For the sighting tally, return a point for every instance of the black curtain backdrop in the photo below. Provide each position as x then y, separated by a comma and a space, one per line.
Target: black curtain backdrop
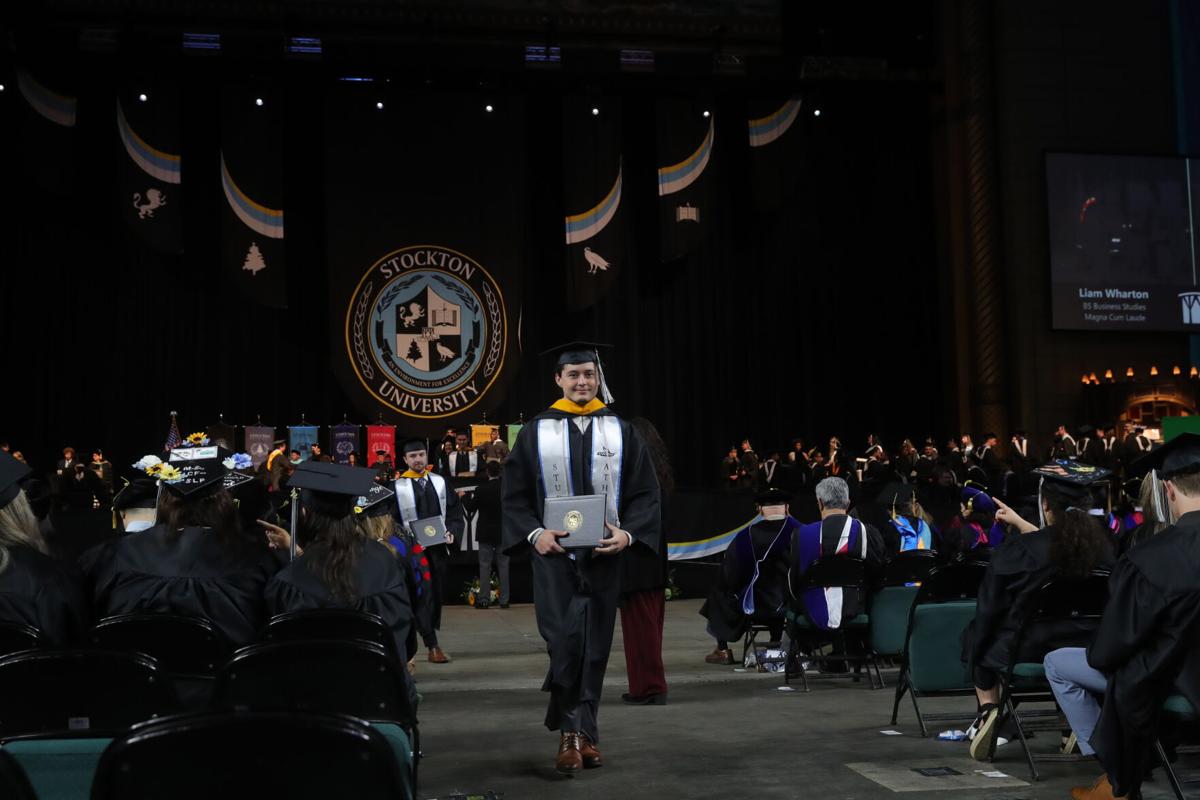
818, 318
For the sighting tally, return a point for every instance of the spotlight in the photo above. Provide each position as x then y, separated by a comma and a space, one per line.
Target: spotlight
488, 108
258, 101
1195, 373
1154, 372
595, 112
706, 115
379, 105
1085, 379
1, 87
143, 97
1129, 372
1108, 376
816, 112
1176, 371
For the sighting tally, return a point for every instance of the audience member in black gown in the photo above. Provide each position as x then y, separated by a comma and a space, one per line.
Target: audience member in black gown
195, 561
35, 589
1072, 543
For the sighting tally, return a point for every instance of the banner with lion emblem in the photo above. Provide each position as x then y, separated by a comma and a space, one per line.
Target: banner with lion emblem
425, 235
150, 176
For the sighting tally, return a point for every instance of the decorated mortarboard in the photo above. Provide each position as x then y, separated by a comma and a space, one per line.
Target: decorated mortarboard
580, 352
12, 472
331, 489
1179, 456
976, 499
1072, 473
772, 497
375, 503
413, 445
137, 493
198, 451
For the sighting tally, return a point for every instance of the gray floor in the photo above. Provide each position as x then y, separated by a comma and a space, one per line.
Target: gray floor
723, 732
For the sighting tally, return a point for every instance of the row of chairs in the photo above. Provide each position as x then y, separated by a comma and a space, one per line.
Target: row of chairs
53, 702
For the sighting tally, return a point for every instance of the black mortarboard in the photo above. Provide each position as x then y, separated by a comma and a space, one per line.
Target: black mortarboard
279, 443
199, 453
198, 478
138, 493
581, 353
896, 494
1180, 456
1074, 482
12, 472
413, 445
773, 497
331, 489
377, 502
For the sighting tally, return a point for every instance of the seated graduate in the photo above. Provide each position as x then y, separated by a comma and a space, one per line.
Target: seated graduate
135, 507
35, 589
195, 560
974, 528
836, 534
1072, 542
339, 565
753, 580
906, 529
1147, 644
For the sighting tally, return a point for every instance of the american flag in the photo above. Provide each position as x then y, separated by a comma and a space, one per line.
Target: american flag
173, 437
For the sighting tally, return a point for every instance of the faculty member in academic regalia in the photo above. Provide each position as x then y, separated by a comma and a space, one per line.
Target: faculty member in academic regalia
35, 589
576, 592
421, 494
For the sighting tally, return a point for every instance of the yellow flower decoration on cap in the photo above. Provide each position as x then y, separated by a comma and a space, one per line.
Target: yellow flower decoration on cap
358, 509
154, 470
168, 473
197, 438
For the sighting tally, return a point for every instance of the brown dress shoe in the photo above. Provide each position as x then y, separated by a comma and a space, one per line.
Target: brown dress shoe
591, 756
720, 657
1100, 790
436, 656
569, 760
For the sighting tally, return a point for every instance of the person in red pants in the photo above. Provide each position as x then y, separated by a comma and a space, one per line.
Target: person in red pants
643, 581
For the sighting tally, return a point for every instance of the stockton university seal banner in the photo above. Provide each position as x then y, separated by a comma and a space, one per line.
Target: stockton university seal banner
426, 215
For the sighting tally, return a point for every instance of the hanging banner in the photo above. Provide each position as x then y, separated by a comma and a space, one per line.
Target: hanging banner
775, 151
223, 435
592, 182
47, 125
379, 437
302, 438
343, 440
149, 179
259, 441
511, 431
685, 184
424, 219
484, 434
252, 249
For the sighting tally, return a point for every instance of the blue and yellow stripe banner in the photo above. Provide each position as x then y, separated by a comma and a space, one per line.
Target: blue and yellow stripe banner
682, 175
256, 216
58, 108
683, 551
155, 163
765, 130
581, 227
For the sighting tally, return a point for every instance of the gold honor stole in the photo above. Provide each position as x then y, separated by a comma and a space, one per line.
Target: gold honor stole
554, 459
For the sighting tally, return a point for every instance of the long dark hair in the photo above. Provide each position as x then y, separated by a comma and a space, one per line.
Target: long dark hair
1080, 543
216, 511
659, 456
331, 548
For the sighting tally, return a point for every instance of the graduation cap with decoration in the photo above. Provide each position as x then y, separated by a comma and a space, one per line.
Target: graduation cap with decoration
1079, 485
12, 473
375, 503
580, 352
331, 490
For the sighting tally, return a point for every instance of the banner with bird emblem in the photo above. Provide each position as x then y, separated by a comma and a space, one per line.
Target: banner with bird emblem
150, 177
596, 218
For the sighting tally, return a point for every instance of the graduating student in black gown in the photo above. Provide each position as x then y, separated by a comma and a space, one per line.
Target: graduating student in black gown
576, 592
35, 589
197, 561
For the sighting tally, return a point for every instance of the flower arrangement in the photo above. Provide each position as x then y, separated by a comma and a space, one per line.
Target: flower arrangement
156, 468
671, 592
198, 439
238, 461
471, 591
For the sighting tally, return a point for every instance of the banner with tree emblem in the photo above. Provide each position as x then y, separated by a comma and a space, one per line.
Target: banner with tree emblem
302, 438
149, 179
592, 182
223, 435
379, 438
776, 150
425, 218
252, 248
685, 184
343, 440
47, 124
511, 430
259, 443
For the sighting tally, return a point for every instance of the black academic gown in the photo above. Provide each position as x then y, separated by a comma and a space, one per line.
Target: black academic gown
723, 609
37, 590
428, 505
380, 587
190, 572
1014, 574
1148, 646
576, 599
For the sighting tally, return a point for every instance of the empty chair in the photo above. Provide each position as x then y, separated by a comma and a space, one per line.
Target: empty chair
297, 756
14, 785
16, 636
330, 623
911, 566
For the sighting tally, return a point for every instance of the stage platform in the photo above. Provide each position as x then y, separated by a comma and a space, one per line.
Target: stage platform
723, 733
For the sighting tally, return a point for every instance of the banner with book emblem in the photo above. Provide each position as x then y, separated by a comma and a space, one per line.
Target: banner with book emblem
150, 176
686, 134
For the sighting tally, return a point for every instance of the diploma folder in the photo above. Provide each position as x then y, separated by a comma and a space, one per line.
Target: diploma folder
429, 531
582, 517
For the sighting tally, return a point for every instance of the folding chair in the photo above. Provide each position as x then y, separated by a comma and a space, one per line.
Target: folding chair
831, 572
1072, 606
761, 622
16, 637
190, 649
331, 623
931, 664
340, 676
890, 605
1176, 706
276, 754
14, 785
911, 566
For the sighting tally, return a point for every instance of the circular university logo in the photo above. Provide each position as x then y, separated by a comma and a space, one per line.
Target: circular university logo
426, 331
573, 520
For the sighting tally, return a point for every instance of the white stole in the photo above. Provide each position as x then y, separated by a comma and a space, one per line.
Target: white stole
554, 460
473, 462
406, 496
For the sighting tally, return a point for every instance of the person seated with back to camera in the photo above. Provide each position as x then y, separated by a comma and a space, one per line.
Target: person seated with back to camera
1071, 543
35, 589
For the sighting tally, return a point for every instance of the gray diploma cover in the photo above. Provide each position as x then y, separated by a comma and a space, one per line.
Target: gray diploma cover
429, 531
582, 517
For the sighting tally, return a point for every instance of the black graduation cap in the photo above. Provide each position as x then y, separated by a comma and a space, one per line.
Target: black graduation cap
1073, 473
197, 478
12, 472
138, 493
413, 445
377, 502
1180, 456
896, 494
202, 453
773, 497
580, 352
331, 489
